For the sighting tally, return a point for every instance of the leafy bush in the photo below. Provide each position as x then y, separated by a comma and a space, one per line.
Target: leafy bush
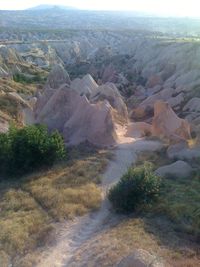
24, 150
139, 186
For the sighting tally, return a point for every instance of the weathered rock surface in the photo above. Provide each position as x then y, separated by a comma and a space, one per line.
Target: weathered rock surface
193, 105
141, 258
182, 152
18, 99
57, 77
138, 129
164, 95
77, 119
154, 80
110, 93
166, 124
86, 85
178, 169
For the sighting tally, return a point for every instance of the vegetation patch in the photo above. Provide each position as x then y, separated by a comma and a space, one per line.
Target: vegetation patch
9, 85
29, 79
138, 187
10, 107
179, 199
21, 222
30, 205
28, 149
71, 188
155, 235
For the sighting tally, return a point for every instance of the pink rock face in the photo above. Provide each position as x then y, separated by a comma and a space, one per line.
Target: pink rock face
145, 108
166, 124
164, 95
109, 74
138, 129
154, 80
110, 93
57, 77
77, 119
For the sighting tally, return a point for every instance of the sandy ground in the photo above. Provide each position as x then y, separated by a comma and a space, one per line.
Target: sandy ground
72, 235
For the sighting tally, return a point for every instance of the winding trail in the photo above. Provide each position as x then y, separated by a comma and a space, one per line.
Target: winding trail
72, 235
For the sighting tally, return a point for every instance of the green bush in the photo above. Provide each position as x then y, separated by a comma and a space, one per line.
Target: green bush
22, 78
139, 186
27, 149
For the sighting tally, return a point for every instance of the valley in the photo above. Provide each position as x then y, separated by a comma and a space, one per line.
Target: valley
122, 90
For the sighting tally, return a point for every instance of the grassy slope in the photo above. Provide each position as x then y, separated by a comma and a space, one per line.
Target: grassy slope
10, 108
169, 229
30, 205
179, 198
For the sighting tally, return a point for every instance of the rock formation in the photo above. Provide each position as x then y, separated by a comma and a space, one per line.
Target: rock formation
81, 111
178, 169
84, 86
77, 119
183, 152
57, 77
166, 124
110, 93
138, 129
141, 258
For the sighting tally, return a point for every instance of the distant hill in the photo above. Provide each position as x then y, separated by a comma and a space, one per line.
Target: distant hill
43, 7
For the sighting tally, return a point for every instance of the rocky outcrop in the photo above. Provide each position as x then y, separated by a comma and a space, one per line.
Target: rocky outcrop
18, 99
138, 129
166, 124
164, 95
141, 258
178, 169
81, 111
183, 152
109, 74
57, 77
84, 86
154, 80
193, 105
110, 93
77, 119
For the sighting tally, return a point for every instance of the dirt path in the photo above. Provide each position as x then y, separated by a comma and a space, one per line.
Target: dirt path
72, 235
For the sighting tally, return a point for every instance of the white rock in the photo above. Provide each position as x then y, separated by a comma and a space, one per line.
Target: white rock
178, 169
141, 258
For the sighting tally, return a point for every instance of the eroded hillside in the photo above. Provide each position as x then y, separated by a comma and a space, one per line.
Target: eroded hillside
129, 85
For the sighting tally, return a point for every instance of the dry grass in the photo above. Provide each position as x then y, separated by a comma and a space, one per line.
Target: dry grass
4, 259
69, 189
30, 205
179, 199
21, 222
9, 108
8, 85
156, 236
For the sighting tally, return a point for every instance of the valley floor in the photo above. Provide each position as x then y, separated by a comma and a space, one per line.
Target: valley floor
104, 238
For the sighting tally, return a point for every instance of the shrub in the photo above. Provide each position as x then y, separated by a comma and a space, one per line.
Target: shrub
24, 150
28, 79
139, 186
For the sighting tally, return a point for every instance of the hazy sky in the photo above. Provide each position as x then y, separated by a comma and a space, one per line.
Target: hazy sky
163, 7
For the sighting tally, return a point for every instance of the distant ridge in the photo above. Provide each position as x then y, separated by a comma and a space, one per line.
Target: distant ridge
43, 7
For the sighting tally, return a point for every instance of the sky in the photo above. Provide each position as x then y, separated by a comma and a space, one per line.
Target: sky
159, 7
